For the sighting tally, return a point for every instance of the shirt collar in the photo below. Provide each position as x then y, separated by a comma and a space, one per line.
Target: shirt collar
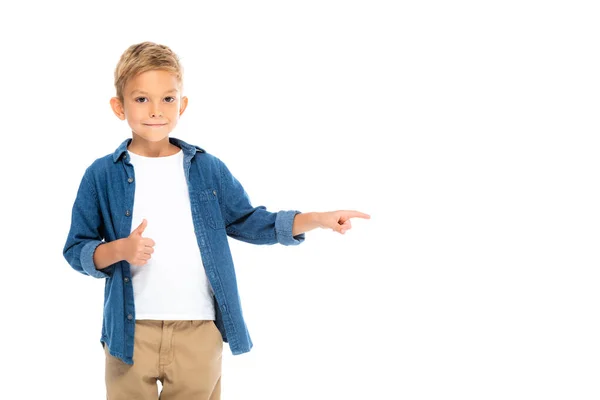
188, 149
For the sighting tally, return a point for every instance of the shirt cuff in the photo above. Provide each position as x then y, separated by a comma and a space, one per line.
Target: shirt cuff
284, 223
87, 259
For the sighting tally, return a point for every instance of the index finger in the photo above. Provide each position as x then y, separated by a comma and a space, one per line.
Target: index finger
357, 214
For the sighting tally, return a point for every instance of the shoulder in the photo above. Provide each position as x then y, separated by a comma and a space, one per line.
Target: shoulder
101, 165
211, 166
206, 159
99, 172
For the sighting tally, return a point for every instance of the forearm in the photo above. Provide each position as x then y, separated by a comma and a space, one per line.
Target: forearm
108, 253
305, 222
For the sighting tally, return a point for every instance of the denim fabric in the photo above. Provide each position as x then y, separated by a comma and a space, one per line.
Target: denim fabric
220, 208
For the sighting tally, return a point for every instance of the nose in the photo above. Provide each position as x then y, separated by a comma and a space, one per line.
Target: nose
155, 113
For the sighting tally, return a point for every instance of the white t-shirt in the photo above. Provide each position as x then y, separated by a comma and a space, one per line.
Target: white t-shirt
173, 284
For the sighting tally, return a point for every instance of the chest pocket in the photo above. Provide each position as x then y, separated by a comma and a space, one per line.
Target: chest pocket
209, 203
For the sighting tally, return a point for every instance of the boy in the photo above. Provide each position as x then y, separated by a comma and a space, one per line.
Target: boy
171, 297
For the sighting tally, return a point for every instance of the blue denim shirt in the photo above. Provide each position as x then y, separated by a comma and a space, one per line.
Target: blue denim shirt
220, 208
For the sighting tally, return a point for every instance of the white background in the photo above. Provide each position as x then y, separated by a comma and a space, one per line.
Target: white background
467, 130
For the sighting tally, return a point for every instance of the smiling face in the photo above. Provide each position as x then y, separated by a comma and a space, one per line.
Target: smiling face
152, 104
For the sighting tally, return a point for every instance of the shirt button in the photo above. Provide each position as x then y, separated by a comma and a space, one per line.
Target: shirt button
130, 180
127, 213
126, 280
130, 317
215, 192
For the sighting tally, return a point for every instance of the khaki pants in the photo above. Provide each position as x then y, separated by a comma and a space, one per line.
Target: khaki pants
185, 356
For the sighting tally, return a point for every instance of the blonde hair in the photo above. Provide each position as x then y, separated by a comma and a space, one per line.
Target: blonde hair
142, 57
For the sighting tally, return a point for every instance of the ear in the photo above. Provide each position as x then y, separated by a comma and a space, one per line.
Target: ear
117, 108
183, 105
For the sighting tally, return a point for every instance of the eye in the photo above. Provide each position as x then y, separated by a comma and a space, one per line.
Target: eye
140, 100
169, 99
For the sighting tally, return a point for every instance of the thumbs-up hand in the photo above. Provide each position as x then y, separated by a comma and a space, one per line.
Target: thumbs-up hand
137, 250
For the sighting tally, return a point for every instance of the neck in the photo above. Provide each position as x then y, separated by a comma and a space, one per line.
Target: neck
146, 148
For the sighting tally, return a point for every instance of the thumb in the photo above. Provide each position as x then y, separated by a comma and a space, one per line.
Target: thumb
140, 229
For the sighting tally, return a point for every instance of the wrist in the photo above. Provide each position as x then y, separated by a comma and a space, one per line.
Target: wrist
119, 245
316, 219
305, 222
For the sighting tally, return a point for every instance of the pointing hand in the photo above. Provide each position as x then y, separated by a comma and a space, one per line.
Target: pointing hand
339, 221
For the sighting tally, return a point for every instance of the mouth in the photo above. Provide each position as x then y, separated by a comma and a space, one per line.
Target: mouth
154, 125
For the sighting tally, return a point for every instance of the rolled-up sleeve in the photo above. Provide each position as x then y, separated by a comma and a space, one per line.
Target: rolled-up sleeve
284, 223
87, 260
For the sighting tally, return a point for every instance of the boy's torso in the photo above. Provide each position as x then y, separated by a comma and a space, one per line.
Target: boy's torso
114, 184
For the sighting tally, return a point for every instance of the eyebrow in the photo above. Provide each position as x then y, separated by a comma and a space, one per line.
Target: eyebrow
142, 92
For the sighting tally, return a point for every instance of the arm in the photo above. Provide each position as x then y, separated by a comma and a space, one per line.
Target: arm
108, 254
84, 235
250, 224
